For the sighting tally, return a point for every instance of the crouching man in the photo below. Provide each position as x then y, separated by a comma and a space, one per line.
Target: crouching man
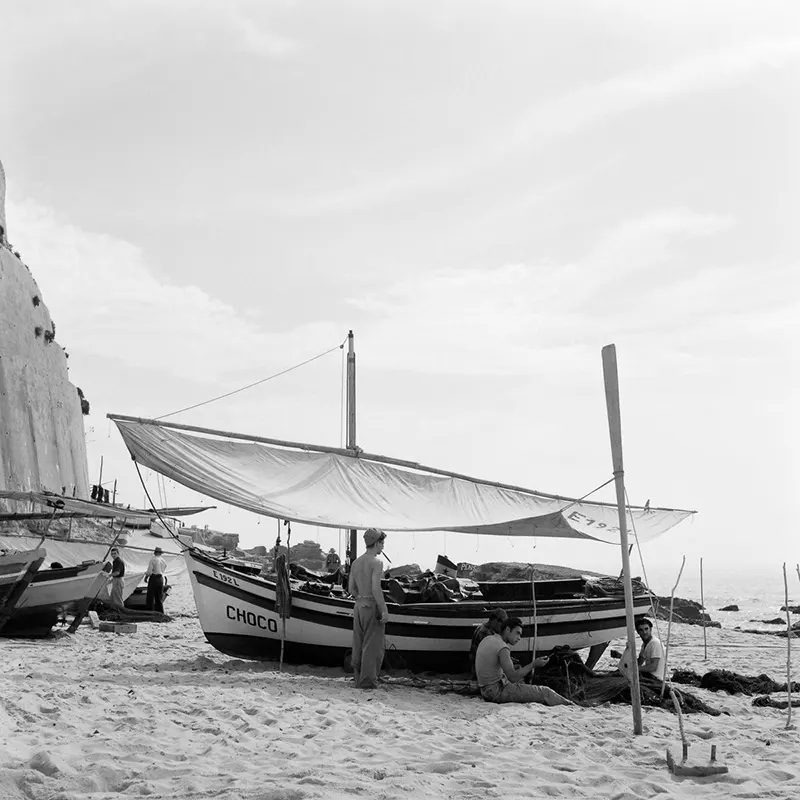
500, 681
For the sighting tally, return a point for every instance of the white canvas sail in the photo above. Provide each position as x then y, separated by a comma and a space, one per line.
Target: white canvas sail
337, 489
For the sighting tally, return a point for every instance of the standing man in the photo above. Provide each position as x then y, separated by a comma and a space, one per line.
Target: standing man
155, 581
117, 578
493, 625
332, 561
370, 612
500, 681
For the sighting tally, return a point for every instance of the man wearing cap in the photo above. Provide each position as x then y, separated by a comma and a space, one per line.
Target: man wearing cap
370, 612
155, 581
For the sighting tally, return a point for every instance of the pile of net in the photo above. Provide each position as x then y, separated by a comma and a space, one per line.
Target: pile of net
722, 680
568, 675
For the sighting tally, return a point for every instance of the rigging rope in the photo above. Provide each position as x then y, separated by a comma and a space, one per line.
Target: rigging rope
573, 502
251, 385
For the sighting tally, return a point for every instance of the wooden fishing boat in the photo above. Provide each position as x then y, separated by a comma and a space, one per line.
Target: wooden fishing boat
238, 616
51, 595
247, 616
17, 569
137, 600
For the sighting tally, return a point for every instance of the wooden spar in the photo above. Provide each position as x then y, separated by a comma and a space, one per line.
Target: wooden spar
615, 431
351, 423
703, 609
396, 462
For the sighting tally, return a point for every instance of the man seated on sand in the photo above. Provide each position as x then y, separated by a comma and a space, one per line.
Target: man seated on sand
651, 659
500, 681
493, 625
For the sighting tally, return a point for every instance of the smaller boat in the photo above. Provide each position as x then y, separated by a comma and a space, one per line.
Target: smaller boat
137, 601
17, 568
51, 595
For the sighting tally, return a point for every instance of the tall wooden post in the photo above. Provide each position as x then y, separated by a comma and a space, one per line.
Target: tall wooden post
615, 431
351, 421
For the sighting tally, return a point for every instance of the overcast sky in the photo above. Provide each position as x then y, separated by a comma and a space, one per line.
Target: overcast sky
485, 192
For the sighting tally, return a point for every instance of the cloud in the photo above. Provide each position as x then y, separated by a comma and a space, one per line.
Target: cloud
549, 121
108, 301
255, 37
632, 90
635, 285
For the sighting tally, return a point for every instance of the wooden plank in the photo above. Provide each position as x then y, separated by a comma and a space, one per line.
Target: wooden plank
118, 627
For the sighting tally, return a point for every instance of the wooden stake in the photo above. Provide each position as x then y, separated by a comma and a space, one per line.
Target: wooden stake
534, 622
789, 633
703, 611
669, 626
615, 432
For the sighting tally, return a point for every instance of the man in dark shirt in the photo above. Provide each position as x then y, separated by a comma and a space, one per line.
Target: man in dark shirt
493, 625
117, 578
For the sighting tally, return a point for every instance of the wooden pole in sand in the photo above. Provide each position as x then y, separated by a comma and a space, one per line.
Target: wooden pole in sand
789, 633
703, 612
615, 431
669, 627
534, 622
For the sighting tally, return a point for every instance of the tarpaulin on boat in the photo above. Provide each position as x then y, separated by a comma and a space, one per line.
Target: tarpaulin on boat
340, 490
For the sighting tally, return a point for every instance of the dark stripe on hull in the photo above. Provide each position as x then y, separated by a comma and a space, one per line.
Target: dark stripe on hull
429, 631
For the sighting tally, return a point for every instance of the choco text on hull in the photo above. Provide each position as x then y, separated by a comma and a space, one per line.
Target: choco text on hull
239, 618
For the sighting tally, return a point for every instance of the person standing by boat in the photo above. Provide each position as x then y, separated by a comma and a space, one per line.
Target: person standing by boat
500, 681
369, 612
117, 578
332, 561
155, 581
492, 626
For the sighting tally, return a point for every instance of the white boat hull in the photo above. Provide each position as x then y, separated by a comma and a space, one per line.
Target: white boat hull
238, 616
53, 593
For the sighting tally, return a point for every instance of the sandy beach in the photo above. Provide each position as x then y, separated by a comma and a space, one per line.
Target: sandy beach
161, 714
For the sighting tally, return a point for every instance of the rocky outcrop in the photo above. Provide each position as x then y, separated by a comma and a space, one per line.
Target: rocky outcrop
732, 607
516, 571
217, 539
686, 611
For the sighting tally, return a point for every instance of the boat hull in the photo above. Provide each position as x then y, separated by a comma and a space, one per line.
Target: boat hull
238, 616
52, 594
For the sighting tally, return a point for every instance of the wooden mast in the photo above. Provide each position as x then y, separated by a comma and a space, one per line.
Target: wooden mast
615, 431
351, 423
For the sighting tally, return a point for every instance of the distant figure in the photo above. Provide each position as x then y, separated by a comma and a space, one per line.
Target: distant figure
369, 612
117, 578
155, 581
332, 561
651, 657
500, 681
493, 625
